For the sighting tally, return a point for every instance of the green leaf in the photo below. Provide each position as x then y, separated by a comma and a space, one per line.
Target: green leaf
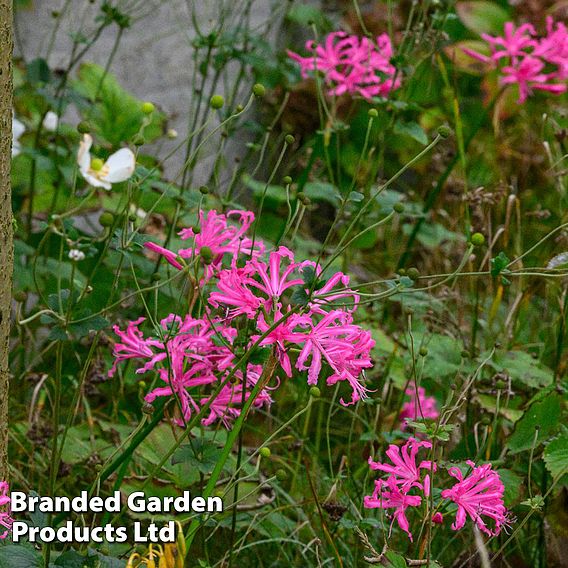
411, 129
322, 191
117, 116
499, 263
464, 62
513, 484
482, 17
556, 455
306, 15
299, 297
542, 419
395, 560
201, 456
15, 556
522, 368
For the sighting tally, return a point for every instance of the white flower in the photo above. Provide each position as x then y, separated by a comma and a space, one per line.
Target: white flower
119, 166
17, 130
76, 255
50, 121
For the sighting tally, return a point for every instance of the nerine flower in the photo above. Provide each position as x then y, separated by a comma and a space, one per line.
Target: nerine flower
6, 520
351, 64
217, 234
404, 469
345, 347
478, 495
117, 168
419, 406
389, 495
529, 61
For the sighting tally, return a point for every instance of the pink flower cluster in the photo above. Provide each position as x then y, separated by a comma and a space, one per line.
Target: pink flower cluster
351, 64
477, 495
248, 298
418, 407
6, 520
527, 60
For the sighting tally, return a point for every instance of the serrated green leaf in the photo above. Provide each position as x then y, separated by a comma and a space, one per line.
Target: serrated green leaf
556, 455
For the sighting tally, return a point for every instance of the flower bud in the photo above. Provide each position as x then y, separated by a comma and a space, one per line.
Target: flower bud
477, 239
287, 180
84, 127
239, 108
398, 207
106, 219
444, 131
315, 392
138, 140
423, 352
172, 133
148, 108
413, 273
206, 255
217, 102
259, 90
281, 474
303, 198
204, 190
265, 452
289, 139
373, 113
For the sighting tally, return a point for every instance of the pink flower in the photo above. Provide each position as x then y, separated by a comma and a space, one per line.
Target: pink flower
274, 278
351, 64
528, 76
169, 255
418, 407
530, 62
6, 520
324, 296
135, 346
389, 495
282, 335
478, 495
343, 346
235, 294
514, 42
437, 518
226, 405
217, 234
404, 469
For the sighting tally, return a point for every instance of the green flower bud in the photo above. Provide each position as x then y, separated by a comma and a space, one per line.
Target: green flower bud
413, 273
239, 108
259, 90
84, 127
423, 352
398, 207
287, 180
373, 113
477, 239
444, 131
148, 108
217, 102
304, 199
265, 452
106, 219
289, 139
315, 392
196, 229
20, 296
206, 255
204, 190
138, 140
281, 474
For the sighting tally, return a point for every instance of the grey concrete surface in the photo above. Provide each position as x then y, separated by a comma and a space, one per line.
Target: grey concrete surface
153, 60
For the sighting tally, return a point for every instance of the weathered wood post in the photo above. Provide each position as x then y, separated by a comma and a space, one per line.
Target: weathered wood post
6, 228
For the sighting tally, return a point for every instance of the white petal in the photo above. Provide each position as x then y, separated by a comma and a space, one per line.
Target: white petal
18, 128
95, 182
83, 156
50, 121
16, 148
120, 166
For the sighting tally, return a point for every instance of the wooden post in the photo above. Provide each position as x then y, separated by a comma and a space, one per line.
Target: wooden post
6, 227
